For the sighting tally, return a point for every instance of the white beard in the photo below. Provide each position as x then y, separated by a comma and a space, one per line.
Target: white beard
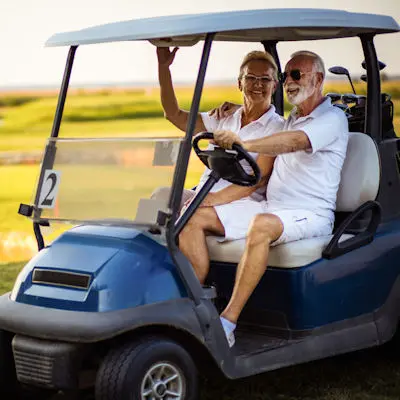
303, 94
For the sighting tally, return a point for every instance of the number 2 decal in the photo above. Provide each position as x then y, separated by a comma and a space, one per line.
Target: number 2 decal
49, 189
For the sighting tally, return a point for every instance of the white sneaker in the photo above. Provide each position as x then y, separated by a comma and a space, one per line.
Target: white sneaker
229, 328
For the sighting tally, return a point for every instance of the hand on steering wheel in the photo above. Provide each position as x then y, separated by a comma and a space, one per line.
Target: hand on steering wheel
226, 139
227, 163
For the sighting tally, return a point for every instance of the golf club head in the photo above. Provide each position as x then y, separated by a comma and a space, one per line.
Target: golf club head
334, 96
349, 98
386, 97
363, 77
381, 65
337, 70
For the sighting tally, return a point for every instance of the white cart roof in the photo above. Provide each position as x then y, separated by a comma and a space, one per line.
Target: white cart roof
251, 26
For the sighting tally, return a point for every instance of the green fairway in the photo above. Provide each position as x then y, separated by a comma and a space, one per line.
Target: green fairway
114, 193
8, 274
18, 181
113, 188
27, 120
26, 125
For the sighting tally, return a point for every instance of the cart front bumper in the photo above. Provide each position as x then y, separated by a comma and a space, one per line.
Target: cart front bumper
52, 365
91, 327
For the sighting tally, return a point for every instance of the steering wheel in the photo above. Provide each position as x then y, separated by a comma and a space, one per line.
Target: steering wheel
227, 163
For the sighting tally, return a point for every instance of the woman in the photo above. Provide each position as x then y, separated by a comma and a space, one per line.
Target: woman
218, 214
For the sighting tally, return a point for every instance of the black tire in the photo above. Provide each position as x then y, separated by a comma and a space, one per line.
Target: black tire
122, 372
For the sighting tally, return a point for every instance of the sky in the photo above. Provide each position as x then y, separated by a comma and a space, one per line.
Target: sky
25, 25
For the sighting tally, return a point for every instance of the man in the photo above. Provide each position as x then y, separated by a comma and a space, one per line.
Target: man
257, 118
301, 193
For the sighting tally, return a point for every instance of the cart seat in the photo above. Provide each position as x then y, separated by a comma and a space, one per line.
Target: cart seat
359, 183
286, 255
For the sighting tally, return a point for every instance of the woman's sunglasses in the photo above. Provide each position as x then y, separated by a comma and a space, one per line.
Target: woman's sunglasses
295, 74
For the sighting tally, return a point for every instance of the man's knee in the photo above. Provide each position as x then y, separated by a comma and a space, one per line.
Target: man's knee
264, 228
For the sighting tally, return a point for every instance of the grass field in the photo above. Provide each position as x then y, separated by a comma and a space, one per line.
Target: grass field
27, 121
129, 113
114, 193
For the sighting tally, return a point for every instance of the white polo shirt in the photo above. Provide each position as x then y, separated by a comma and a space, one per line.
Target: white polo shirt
310, 179
269, 123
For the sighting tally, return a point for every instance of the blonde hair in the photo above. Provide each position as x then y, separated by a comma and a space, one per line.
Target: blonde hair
258, 55
317, 60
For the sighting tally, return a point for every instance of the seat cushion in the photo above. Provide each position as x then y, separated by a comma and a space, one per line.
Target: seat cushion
288, 255
360, 173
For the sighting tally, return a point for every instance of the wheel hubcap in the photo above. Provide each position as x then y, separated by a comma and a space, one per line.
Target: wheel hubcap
163, 381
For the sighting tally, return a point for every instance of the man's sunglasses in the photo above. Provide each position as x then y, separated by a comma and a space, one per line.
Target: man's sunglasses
295, 74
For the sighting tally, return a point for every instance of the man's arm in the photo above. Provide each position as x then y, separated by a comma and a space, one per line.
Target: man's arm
278, 143
168, 99
235, 192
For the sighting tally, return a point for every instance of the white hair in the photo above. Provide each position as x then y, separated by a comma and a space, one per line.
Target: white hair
317, 60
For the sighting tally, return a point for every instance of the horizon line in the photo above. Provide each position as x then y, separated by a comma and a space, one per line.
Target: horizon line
137, 84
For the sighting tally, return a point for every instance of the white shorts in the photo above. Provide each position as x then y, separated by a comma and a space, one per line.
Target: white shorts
237, 216
297, 224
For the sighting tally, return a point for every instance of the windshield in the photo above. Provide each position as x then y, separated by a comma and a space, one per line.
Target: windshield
104, 181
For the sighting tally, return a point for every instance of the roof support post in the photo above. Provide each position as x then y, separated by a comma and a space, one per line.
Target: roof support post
184, 268
185, 148
373, 118
277, 97
63, 91
50, 151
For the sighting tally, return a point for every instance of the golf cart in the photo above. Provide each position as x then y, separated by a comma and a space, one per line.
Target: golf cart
113, 304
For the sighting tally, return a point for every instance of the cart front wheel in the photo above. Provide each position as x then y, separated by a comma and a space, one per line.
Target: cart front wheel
151, 369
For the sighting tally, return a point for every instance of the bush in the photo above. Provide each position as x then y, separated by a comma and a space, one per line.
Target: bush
15, 100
